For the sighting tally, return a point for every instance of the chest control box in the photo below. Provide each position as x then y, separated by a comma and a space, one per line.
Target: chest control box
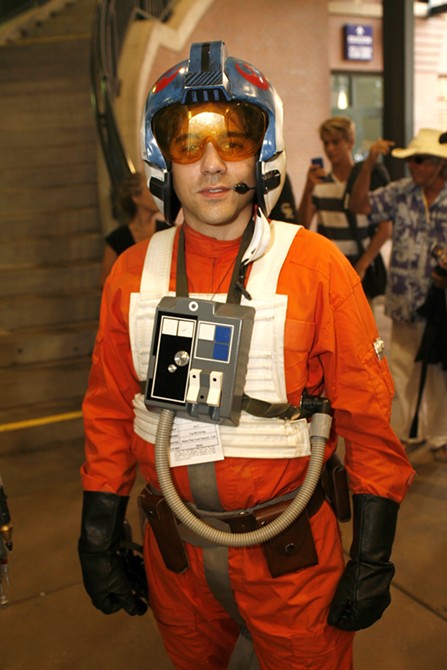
198, 358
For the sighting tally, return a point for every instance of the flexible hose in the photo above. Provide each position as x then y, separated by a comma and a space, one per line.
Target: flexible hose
219, 537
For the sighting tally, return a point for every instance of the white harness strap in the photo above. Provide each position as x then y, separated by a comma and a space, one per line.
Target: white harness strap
157, 264
154, 285
254, 437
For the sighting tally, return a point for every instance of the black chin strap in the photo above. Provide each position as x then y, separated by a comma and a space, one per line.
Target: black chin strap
181, 286
237, 284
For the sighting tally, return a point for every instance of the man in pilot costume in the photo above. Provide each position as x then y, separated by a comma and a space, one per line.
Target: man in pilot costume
213, 142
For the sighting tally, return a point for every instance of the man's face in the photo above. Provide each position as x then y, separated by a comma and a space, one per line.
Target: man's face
212, 147
424, 169
337, 149
205, 190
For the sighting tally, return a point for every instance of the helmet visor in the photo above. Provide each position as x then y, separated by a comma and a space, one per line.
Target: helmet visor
236, 129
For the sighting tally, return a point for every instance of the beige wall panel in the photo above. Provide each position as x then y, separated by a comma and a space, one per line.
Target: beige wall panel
430, 61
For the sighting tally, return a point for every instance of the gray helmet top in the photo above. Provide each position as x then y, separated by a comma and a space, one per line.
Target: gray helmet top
209, 75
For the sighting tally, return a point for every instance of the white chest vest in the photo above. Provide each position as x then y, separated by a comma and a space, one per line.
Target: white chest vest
254, 437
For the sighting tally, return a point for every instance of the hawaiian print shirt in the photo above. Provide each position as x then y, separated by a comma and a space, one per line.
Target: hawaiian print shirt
415, 229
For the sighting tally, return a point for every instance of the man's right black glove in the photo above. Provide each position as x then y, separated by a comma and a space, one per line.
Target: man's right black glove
103, 565
363, 592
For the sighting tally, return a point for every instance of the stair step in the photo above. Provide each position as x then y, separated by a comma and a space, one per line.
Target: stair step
55, 223
74, 19
65, 99
16, 158
45, 86
43, 425
40, 63
48, 278
65, 112
41, 250
57, 136
26, 311
50, 22
51, 176
60, 342
26, 198
43, 382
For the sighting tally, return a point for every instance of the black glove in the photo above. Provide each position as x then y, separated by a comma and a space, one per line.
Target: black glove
363, 592
103, 565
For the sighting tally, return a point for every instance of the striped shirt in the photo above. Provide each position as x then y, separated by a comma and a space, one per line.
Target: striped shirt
331, 219
332, 222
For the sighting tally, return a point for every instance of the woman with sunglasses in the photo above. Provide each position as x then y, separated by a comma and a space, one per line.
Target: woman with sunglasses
417, 205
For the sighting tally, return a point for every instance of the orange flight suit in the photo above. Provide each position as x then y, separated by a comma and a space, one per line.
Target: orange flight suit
329, 336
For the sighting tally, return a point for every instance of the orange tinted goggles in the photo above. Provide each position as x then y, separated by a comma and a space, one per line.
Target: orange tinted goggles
235, 129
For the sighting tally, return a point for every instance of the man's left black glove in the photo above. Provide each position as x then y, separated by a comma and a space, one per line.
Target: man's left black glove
363, 592
103, 566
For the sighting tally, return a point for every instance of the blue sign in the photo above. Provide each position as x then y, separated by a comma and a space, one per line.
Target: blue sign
358, 42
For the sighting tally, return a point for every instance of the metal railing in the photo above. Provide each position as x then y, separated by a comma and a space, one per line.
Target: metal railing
110, 22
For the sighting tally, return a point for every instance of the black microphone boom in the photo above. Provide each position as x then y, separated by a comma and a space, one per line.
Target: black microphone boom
242, 188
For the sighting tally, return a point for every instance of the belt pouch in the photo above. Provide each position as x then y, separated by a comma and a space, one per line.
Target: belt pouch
336, 488
164, 527
293, 548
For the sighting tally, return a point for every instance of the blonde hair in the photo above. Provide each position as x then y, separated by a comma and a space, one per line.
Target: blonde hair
341, 124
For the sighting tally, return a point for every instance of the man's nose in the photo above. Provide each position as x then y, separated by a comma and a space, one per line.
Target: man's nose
211, 162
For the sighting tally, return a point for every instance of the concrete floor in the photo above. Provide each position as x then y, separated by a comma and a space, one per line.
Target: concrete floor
49, 623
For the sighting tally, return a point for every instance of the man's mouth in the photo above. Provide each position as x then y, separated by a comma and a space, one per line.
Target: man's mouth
214, 190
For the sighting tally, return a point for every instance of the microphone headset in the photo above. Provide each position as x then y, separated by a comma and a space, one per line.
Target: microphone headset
242, 188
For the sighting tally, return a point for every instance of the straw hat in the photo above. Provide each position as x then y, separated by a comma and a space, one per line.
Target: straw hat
425, 142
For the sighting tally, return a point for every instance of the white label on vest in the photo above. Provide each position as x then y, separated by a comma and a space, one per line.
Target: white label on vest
194, 442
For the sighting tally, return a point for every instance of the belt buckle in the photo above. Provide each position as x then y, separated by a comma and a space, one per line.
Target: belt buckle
244, 522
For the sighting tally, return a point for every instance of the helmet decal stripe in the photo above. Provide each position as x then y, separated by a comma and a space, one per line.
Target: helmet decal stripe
166, 79
256, 78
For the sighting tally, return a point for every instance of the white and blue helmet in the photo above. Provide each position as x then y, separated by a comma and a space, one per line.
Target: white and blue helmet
209, 75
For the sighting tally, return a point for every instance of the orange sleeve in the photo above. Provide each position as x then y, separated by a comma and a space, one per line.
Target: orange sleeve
329, 349
110, 464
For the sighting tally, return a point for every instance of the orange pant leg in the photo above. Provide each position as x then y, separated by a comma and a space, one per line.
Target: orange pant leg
286, 616
197, 632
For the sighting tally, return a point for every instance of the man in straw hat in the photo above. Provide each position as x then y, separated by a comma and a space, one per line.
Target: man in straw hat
418, 207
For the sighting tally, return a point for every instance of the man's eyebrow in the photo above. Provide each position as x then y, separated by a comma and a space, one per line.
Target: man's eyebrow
187, 136
236, 133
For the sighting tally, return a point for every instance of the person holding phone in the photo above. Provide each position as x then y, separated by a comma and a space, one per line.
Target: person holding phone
325, 192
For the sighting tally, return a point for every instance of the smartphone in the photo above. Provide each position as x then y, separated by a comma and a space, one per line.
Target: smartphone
318, 162
437, 250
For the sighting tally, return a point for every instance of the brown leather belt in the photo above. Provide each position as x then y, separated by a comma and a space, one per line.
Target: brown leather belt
245, 522
292, 549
